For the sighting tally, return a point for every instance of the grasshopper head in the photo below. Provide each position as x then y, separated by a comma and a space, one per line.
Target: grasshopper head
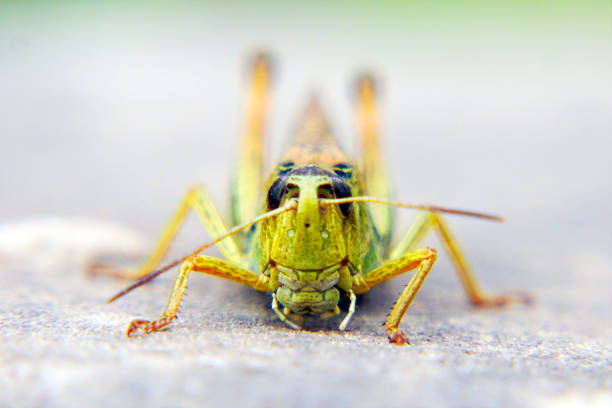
312, 237
307, 247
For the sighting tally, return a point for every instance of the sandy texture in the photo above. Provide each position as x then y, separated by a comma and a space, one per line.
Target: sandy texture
62, 346
110, 111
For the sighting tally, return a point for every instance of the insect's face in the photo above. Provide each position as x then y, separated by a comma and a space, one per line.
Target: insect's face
311, 238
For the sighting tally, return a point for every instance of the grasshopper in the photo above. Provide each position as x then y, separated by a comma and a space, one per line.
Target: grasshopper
317, 228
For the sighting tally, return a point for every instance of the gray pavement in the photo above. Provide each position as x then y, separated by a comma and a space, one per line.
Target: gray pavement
62, 346
110, 112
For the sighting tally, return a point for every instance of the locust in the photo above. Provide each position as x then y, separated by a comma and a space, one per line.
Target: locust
317, 228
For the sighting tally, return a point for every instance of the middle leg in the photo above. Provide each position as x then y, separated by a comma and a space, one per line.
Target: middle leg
200, 201
477, 296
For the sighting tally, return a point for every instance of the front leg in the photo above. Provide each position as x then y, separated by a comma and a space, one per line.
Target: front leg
422, 260
203, 264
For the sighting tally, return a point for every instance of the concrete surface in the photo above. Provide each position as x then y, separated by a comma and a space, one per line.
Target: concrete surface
62, 346
110, 111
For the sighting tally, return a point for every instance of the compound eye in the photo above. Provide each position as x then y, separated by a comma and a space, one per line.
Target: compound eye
342, 190
292, 191
325, 191
276, 192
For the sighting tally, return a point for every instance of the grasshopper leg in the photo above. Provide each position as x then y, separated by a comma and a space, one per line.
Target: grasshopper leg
422, 260
244, 196
197, 199
248, 178
373, 163
476, 295
204, 264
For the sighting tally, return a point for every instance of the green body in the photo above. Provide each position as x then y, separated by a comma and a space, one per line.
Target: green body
311, 254
307, 233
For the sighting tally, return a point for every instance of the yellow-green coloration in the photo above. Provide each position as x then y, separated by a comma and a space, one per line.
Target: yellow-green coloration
309, 234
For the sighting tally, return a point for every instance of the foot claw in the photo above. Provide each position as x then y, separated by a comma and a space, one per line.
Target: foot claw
140, 327
97, 269
504, 300
397, 337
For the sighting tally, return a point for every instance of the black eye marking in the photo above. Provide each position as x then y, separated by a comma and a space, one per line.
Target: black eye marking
292, 189
343, 170
325, 191
339, 188
342, 190
285, 168
276, 192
